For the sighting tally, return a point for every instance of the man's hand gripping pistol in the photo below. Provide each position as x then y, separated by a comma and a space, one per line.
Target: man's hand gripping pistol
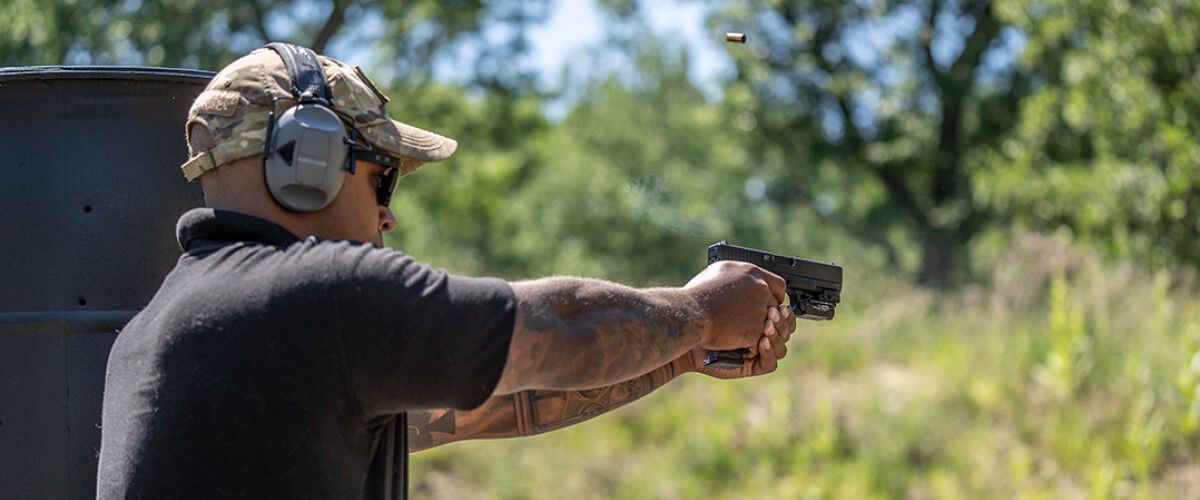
813, 288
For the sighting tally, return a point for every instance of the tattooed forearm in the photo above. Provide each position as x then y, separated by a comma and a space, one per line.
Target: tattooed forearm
574, 333
527, 413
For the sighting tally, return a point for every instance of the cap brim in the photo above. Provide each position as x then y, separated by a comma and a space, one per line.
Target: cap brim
411, 142
424, 145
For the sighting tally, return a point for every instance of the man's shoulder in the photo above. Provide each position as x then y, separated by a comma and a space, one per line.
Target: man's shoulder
248, 286
310, 272
344, 262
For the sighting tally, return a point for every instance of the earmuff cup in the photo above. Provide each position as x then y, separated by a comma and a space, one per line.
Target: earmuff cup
306, 161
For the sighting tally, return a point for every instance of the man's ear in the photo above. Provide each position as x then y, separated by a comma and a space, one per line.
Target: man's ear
199, 139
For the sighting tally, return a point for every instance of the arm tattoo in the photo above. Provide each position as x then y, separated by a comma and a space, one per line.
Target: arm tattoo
527, 413
577, 333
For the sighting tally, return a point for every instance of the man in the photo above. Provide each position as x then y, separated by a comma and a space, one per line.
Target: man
289, 354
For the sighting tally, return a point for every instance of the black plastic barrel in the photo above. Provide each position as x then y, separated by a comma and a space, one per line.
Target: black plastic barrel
90, 190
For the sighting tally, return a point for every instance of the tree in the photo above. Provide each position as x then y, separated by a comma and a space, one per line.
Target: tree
409, 36
632, 185
934, 121
870, 112
1107, 143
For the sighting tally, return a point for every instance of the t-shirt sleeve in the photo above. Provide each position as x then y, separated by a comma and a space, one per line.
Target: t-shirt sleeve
415, 337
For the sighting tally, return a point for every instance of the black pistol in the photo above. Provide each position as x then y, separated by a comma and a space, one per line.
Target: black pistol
813, 288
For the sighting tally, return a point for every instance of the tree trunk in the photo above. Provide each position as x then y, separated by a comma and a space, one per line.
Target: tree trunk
938, 255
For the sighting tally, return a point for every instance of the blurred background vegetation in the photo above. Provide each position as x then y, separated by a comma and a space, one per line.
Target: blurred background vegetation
1013, 187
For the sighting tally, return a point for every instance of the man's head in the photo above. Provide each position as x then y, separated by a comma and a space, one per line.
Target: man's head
228, 125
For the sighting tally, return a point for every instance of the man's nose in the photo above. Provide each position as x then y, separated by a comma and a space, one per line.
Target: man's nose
387, 220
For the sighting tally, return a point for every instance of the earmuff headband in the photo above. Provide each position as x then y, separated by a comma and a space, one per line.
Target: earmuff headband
307, 75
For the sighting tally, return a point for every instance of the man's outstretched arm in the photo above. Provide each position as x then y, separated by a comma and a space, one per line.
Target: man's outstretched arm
576, 333
527, 413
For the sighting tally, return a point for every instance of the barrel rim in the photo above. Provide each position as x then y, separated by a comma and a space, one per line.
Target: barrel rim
139, 73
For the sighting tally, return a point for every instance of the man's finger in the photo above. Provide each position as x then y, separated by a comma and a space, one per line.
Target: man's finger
776, 284
774, 315
769, 328
788, 323
766, 359
781, 328
779, 347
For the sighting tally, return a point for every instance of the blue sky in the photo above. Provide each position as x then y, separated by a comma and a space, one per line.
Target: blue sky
573, 38
572, 28
577, 24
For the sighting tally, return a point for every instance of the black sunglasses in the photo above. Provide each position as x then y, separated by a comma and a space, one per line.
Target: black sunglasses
387, 182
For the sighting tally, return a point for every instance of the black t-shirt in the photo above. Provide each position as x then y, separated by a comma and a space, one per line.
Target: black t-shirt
271, 367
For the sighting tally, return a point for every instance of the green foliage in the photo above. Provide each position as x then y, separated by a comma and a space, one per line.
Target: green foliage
208, 34
872, 112
1107, 145
1079, 380
943, 120
631, 185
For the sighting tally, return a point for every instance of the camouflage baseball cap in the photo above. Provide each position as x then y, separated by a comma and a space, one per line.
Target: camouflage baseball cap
236, 105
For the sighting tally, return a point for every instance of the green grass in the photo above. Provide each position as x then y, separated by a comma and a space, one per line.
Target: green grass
1060, 378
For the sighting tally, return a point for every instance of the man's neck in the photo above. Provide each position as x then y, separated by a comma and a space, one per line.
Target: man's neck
271, 213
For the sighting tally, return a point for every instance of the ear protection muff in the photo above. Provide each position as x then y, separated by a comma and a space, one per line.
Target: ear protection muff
307, 151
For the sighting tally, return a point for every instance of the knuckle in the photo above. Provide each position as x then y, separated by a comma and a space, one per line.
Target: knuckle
736, 265
724, 267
